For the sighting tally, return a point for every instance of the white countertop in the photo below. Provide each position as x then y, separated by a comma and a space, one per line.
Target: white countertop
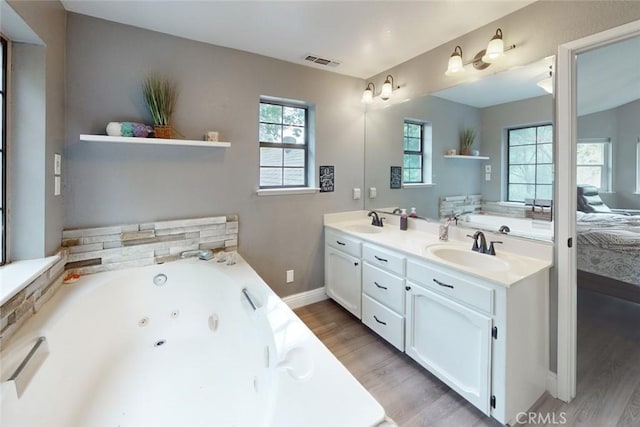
416, 241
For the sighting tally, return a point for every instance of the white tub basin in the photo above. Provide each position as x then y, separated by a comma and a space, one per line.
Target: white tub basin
467, 258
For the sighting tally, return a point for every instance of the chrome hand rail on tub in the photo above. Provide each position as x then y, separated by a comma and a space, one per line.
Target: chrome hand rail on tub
22, 375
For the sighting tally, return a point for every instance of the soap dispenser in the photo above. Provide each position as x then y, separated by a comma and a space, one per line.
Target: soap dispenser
403, 220
413, 213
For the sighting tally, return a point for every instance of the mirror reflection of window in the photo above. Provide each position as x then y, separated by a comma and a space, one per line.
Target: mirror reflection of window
417, 146
530, 163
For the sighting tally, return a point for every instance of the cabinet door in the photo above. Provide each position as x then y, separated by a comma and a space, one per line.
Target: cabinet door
343, 280
451, 341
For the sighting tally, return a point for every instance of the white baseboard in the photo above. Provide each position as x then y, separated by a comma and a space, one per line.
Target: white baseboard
552, 383
305, 298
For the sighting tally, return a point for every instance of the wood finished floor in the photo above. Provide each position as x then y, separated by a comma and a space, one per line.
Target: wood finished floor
608, 369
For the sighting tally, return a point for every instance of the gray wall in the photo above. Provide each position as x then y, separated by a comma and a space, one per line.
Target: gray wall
384, 148
621, 124
37, 216
219, 90
494, 122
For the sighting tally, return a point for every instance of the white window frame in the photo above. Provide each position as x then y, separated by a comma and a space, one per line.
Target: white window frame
638, 166
426, 145
606, 184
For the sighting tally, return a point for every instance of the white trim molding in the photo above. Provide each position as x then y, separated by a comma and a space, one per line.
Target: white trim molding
305, 298
552, 384
565, 197
286, 191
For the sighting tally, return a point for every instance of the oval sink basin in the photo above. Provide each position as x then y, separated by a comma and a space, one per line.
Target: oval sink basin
468, 258
364, 228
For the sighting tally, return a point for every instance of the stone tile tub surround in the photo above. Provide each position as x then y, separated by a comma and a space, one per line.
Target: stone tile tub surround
30, 299
92, 250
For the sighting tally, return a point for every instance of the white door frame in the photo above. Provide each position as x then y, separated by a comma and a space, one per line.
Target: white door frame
566, 195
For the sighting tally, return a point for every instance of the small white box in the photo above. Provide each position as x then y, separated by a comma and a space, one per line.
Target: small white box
57, 164
56, 185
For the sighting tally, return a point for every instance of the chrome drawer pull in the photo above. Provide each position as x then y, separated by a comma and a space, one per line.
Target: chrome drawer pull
380, 259
340, 243
380, 286
442, 284
379, 321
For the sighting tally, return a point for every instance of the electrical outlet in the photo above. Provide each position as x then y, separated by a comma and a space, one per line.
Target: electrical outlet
289, 276
57, 164
487, 168
487, 177
356, 194
373, 193
56, 186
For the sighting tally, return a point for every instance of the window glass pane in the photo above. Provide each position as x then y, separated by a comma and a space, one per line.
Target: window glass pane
522, 174
270, 177
270, 133
545, 134
519, 192
412, 161
270, 156
270, 113
294, 176
522, 136
412, 144
544, 192
591, 175
544, 174
292, 135
293, 157
545, 153
415, 175
412, 130
590, 154
522, 155
293, 116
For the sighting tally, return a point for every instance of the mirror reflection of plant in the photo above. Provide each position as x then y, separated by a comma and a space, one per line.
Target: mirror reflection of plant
160, 96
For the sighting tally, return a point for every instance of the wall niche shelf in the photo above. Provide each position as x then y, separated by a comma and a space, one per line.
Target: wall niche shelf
152, 141
458, 156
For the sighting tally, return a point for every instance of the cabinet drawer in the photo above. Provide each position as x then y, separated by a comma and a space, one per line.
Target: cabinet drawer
384, 322
383, 258
344, 243
452, 285
384, 287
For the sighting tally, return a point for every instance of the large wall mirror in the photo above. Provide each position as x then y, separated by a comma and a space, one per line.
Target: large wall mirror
507, 178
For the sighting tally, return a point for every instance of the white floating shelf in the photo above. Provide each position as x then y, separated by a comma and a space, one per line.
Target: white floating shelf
457, 156
152, 141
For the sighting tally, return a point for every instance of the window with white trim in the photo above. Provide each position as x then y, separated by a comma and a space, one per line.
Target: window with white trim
530, 163
593, 163
284, 144
417, 152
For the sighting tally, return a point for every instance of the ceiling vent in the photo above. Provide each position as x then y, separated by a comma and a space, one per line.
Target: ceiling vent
321, 61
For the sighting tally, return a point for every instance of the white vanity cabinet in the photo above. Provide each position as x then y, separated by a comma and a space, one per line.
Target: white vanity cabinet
486, 341
343, 271
383, 293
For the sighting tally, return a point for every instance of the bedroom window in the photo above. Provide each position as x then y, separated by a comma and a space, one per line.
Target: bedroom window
3, 148
593, 162
530, 163
284, 144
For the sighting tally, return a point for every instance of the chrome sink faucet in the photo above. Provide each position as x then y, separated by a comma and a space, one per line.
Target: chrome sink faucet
375, 219
203, 254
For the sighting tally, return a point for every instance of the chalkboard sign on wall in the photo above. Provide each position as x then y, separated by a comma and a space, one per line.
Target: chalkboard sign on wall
327, 179
396, 177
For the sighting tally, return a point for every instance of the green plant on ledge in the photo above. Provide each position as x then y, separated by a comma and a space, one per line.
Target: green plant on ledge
467, 138
160, 96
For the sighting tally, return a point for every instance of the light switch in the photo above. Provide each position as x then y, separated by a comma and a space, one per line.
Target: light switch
56, 186
289, 276
373, 193
57, 164
487, 177
357, 194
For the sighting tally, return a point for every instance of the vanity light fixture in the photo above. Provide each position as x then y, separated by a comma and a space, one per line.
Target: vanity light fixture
387, 88
483, 59
367, 95
455, 62
547, 84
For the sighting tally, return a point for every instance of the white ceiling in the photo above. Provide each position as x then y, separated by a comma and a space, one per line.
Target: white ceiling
367, 37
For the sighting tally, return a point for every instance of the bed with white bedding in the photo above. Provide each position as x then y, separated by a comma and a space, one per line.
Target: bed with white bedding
609, 246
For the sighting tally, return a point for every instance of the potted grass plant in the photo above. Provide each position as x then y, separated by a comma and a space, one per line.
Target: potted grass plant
467, 138
160, 96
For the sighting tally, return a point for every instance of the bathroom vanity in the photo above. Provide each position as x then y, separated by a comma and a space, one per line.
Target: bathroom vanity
477, 322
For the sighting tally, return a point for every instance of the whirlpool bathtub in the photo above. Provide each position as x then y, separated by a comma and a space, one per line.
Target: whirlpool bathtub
188, 343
